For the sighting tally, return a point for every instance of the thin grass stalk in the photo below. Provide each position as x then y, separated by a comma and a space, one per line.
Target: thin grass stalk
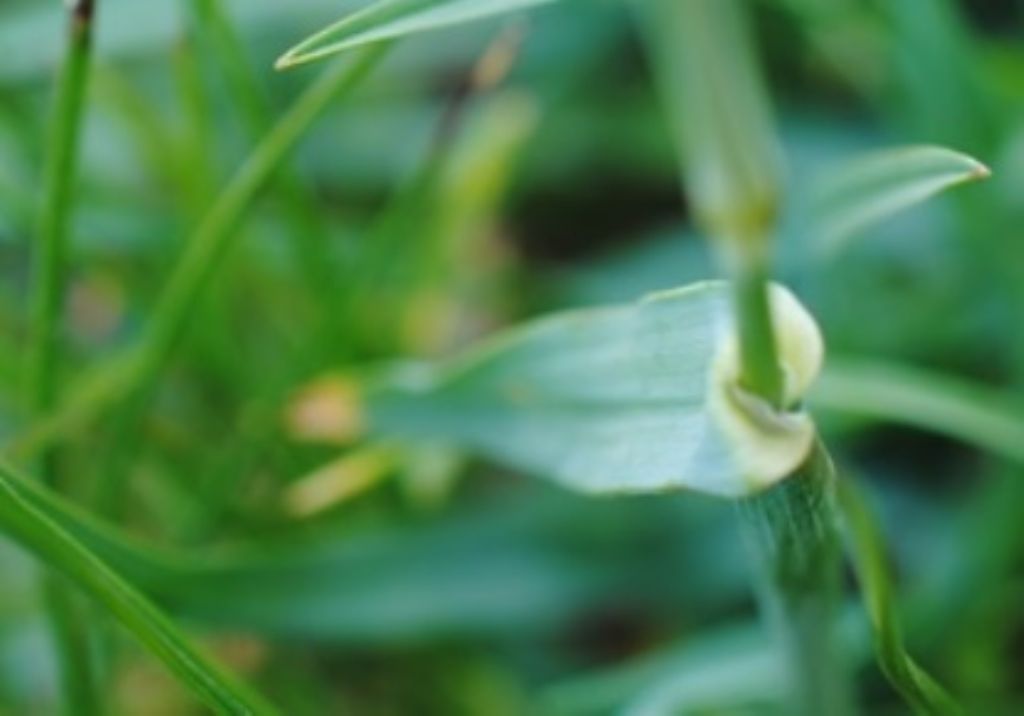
211, 240
129, 370
792, 529
60, 174
37, 532
194, 166
70, 631
924, 694
761, 372
310, 235
207, 247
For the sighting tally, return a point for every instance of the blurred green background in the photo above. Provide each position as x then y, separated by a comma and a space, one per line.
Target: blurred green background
424, 211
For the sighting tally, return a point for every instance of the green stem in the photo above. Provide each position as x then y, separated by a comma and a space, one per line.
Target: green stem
792, 531
703, 53
310, 237
792, 527
195, 166
70, 634
760, 370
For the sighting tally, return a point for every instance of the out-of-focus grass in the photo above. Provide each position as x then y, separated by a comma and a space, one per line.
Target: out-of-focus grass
456, 587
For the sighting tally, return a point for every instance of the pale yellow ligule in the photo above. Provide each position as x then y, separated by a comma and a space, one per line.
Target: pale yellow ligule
766, 443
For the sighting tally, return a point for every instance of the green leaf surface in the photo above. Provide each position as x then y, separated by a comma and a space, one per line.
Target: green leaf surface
27, 522
500, 569
628, 399
388, 19
874, 187
960, 409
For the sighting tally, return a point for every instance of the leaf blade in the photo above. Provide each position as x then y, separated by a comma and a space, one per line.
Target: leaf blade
627, 399
878, 185
391, 19
866, 542
923, 399
501, 567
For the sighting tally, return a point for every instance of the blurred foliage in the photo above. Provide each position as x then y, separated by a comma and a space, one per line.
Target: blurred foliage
427, 209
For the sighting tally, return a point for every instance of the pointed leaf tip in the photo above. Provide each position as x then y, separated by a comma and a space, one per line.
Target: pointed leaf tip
391, 19
876, 186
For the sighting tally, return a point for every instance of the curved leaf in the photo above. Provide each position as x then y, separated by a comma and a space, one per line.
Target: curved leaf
388, 19
911, 396
635, 398
867, 547
872, 188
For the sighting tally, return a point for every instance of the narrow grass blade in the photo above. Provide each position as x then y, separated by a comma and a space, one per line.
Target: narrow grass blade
203, 255
950, 406
49, 294
624, 399
211, 240
61, 173
310, 238
27, 523
867, 547
874, 187
388, 19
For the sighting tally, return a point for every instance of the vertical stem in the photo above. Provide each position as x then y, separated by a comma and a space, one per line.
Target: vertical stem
311, 239
69, 629
60, 172
760, 370
792, 528
792, 533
